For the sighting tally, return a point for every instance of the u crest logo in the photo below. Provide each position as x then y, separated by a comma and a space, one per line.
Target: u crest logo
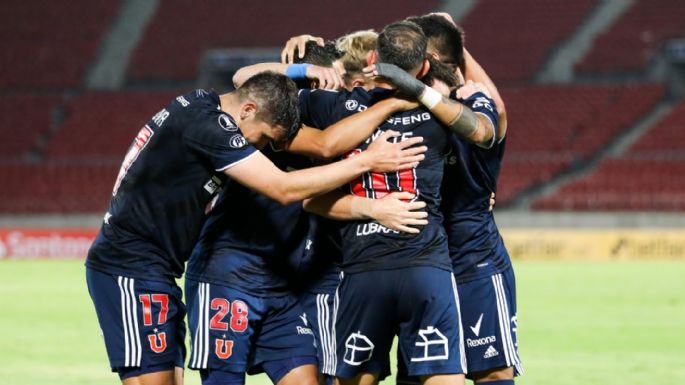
223, 348
157, 342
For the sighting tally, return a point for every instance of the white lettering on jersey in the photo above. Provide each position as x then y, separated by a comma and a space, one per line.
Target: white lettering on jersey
183, 101
482, 102
480, 341
160, 117
404, 136
373, 228
407, 120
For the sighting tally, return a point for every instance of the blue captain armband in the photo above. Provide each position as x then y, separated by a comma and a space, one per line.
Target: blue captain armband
297, 71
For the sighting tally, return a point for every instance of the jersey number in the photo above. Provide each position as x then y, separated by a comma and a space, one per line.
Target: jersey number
239, 313
139, 143
377, 185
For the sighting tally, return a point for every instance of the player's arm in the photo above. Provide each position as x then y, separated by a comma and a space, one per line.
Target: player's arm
327, 78
458, 118
394, 211
474, 71
260, 174
347, 133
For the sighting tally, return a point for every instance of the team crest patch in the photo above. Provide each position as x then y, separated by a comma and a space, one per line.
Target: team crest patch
432, 345
226, 123
237, 141
351, 104
358, 349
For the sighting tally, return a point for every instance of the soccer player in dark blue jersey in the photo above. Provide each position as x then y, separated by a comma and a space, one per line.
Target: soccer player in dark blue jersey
394, 283
481, 263
242, 313
166, 186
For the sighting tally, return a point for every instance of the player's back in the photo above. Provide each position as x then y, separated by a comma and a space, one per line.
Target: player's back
471, 174
165, 184
367, 244
251, 242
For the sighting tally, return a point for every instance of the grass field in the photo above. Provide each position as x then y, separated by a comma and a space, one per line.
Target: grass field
579, 323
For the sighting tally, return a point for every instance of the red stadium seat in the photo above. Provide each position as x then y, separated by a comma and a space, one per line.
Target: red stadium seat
49, 44
635, 37
257, 23
25, 117
551, 126
513, 38
101, 125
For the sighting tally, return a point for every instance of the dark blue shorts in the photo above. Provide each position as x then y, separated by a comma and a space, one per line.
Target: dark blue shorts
488, 312
319, 310
232, 331
418, 304
142, 322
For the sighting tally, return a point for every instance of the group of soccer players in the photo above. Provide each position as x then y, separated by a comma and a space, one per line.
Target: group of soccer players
317, 224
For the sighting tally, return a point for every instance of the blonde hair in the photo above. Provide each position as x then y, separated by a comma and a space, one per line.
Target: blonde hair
356, 46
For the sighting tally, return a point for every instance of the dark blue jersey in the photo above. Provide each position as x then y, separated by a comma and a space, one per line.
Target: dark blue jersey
471, 173
251, 242
319, 271
165, 188
367, 245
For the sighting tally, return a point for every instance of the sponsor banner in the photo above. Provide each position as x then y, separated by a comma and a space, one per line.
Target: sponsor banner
45, 243
569, 244
606, 244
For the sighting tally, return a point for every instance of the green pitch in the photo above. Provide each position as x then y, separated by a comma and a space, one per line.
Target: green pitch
603, 323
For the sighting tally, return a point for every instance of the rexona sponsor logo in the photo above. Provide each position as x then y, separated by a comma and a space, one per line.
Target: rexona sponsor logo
34, 243
480, 341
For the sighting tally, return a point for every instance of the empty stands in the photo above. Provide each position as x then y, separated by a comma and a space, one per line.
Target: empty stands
513, 38
629, 44
649, 176
50, 187
551, 127
25, 117
101, 125
182, 30
49, 44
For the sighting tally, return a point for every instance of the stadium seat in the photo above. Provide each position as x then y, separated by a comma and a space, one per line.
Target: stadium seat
48, 44
513, 38
25, 118
235, 24
101, 125
551, 127
629, 44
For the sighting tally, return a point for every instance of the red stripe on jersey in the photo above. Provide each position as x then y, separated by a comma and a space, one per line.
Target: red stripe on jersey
407, 181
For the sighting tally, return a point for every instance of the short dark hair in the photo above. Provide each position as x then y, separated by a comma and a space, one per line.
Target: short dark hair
403, 44
443, 36
441, 72
276, 97
317, 55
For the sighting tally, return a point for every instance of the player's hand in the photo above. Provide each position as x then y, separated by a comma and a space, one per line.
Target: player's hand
396, 211
386, 156
288, 53
397, 77
401, 104
492, 202
470, 88
325, 78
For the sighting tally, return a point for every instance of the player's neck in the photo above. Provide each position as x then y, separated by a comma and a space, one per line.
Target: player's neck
230, 105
